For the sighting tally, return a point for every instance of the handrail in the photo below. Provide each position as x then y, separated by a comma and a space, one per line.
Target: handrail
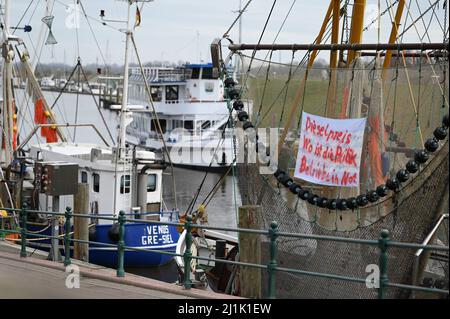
28, 138
417, 255
272, 233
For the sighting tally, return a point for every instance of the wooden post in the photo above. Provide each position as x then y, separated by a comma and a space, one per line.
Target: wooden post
80, 224
250, 216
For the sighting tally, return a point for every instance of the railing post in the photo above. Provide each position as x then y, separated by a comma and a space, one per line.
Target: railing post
273, 234
187, 253
120, 245
23, 231
383, 279
68, 215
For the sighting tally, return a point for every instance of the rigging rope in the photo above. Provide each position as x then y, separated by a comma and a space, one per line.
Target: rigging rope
244, 83
77, 103
93, 34
23, 16
221, 140
96, 103
278, 33
159, 128
288, 80
226, 34
264, 90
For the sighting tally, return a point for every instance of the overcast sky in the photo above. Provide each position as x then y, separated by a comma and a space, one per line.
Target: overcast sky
182, 30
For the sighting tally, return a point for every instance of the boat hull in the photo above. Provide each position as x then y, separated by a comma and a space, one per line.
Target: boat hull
153, 241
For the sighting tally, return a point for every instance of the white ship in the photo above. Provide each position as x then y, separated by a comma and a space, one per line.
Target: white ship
192, 111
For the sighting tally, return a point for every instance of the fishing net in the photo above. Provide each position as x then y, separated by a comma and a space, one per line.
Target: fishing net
409, 215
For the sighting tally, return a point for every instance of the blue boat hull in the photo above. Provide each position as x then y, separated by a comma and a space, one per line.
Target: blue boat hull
159, 238
154, 241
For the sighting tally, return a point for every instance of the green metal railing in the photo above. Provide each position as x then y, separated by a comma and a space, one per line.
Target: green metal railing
383, 244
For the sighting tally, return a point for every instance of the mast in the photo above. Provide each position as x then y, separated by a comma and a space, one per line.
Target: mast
6, 16
121, 152
125, 86
8, 109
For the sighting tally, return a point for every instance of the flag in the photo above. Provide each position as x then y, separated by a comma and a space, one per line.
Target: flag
138, 17
51, 135
39, 111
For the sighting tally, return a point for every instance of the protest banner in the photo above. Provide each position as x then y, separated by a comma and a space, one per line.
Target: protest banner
329, 151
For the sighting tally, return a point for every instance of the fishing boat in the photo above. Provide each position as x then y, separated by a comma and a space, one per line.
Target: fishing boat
403, 166
119, 177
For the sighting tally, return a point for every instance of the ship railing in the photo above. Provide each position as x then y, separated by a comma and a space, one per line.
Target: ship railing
421, 256
383, 243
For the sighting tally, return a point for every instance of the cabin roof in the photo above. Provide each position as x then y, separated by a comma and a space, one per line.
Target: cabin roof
72, 149
199, 65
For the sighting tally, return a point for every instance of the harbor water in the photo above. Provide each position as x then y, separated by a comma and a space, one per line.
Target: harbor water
221, 210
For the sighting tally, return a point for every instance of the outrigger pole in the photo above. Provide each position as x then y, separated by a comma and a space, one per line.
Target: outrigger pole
343, 46
393, 36
357, 26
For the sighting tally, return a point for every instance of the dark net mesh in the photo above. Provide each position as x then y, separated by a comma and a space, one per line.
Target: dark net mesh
408, 215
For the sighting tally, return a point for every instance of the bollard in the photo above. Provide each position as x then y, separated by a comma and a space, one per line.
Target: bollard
120, 245
187, 253
273, 234
68, 215
23, 231
383, 245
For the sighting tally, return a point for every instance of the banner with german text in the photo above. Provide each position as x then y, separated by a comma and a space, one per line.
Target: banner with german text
329, 152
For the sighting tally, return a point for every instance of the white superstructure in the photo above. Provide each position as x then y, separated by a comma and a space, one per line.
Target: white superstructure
138, 186
192, 112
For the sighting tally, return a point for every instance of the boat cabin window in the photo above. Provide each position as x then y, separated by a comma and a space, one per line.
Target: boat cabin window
195, 73
151, 183
206, 125
154, 127
189, 125
177, 124
207, 74
96, 182
84, 177
156, 92
172, 93
125, 184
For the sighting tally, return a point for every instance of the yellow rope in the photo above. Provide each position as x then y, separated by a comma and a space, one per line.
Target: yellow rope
411, 94
409, 82
37, 239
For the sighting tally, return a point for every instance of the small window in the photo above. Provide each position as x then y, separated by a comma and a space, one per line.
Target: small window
84, 178
125, 184
151, 183
96, 182
189, 125
195, 73
172, 93
154, 127
156, 93
206, 125
177, 124
207, 74
209, 87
